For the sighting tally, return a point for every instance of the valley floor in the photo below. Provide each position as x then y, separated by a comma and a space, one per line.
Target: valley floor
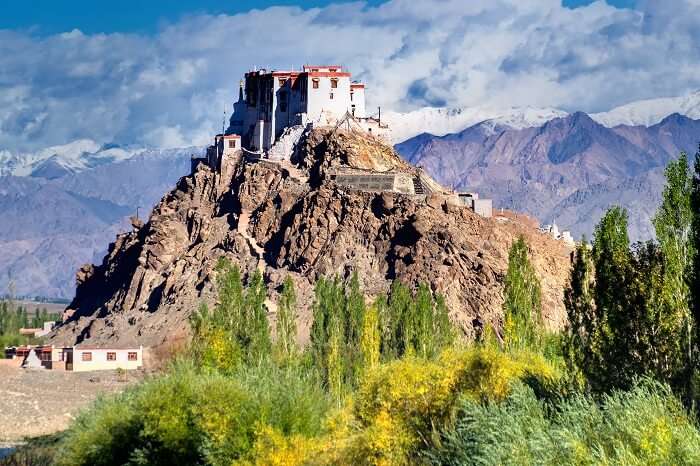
40, 402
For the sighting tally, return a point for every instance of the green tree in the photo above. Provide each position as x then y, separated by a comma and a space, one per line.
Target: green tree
370, 341
354, 315
286, 344
580, 343
523, 300
694, 278
257, 331
674, 227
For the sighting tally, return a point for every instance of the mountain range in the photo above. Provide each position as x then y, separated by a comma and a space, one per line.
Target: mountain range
568, 170
59, 217
61, 206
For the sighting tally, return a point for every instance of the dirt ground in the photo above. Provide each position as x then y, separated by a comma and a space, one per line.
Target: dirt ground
39, 402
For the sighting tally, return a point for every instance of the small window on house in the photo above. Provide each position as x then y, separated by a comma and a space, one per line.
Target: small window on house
231, 143
283, 81
86, 357
352, 96
314, 70
334, 84
331, 96
353, 109
111, 356
133, 356
315, 83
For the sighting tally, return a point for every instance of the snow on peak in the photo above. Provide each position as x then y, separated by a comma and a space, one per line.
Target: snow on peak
441, 121
72, 157
651, 111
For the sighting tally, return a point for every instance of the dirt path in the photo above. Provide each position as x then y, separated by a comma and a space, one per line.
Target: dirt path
40, 402
259, 251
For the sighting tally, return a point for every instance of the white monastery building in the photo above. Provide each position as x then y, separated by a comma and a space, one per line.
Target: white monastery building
275, 107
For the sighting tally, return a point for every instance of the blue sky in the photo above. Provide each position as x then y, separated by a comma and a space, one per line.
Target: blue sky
161, 73
146, 16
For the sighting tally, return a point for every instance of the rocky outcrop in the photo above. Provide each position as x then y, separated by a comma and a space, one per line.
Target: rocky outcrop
292, 220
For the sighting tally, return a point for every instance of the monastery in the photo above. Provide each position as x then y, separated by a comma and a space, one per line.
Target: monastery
276, 108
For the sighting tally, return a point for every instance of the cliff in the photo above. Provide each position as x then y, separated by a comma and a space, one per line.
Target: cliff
292, 219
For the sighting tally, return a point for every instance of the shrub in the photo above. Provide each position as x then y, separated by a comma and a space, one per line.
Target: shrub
400, 405
191, 417
644, 426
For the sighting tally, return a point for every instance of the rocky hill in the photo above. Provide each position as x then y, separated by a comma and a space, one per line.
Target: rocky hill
293, 219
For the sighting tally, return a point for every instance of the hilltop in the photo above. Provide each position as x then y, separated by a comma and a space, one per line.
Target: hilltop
294, 218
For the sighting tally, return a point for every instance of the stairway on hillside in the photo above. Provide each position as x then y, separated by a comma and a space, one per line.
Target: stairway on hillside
259, 251
417, 185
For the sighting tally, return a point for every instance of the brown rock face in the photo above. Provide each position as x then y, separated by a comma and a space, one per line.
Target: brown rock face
292, 220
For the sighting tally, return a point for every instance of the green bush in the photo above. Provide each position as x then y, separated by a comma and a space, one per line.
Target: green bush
646, 425
191, 417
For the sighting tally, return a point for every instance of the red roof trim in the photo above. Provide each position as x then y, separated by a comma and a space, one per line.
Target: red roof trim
356, 85
308, 67
328, 74
287, 74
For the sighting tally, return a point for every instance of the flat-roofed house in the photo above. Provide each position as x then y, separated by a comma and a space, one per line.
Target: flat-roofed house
91, 358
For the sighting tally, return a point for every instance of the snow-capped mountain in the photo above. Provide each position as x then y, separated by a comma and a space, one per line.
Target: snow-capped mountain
56, 161
650, 112
441, 121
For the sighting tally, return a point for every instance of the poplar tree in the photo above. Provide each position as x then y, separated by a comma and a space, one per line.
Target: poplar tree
422, 322
694, 278
612, 259
354, 314
523, 300
257, 332
674, 230
286, 345
580, 342
370, 341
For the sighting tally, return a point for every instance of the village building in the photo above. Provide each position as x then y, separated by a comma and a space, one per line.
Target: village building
75, 358
38, 332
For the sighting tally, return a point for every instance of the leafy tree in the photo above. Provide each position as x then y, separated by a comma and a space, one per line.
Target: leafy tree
370, 340
238, 328
674, 227
286, 345
354, 315
522, 304
694, 278
612, 258
258, 330
581, 336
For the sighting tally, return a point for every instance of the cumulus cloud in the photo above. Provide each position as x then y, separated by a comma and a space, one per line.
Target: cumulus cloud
171, 88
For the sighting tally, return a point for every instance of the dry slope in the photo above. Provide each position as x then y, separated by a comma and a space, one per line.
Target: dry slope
293, 220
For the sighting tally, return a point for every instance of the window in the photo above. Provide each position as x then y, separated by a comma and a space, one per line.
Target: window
283, 81
133, 356
353, 109
111, 356
315, 83
283, 101
334, 84
231, 143
352, 96
86, 357
331, 96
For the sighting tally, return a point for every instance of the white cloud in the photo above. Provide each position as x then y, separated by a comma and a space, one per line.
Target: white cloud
170, 89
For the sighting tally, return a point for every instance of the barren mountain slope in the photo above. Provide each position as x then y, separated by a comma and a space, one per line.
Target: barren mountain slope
305, 226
